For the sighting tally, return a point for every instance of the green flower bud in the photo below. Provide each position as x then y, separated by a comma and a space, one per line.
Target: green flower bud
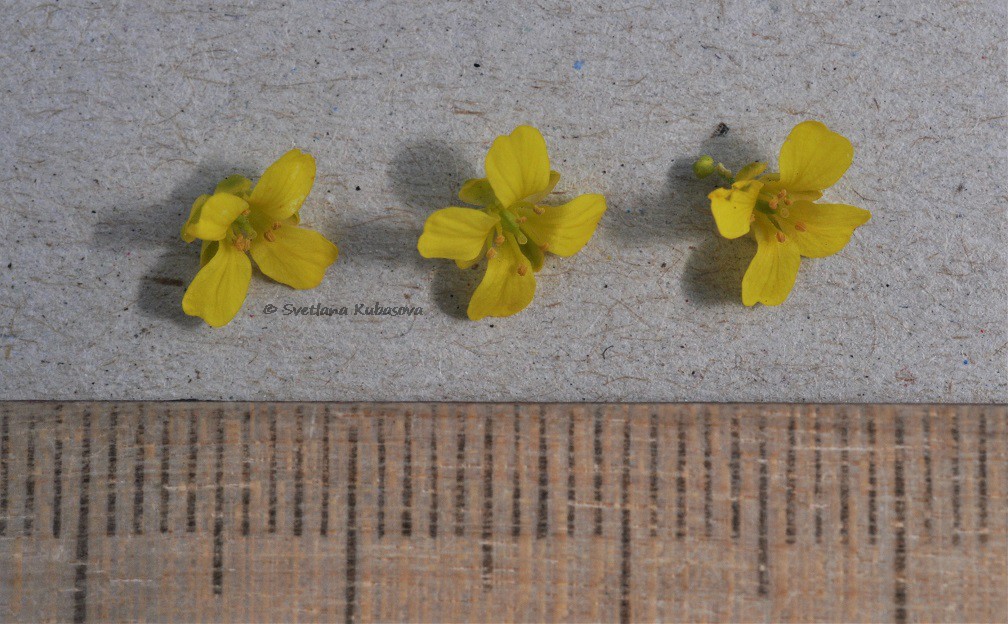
704, 166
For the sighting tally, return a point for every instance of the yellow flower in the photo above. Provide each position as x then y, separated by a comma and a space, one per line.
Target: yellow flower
262, 221
510, 228
780, 212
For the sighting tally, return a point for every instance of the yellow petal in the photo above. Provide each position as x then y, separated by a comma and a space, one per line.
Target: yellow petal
823, 229
218, 290
455, 233
477, 192
733, 208
771, 274
295, 256
517, 165
750, 171
212, 217
207, 251
284, 186
535, 198
194, 212
564, 229
535, 255
504, 290
813, 157
235, 185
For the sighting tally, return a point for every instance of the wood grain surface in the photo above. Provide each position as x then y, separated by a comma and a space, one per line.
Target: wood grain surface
501, 512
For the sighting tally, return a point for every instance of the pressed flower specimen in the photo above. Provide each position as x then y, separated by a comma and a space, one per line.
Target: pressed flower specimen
510, 228
239, 220
781, 212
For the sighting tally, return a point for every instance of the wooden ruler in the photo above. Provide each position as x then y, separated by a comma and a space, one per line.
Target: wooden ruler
462, 512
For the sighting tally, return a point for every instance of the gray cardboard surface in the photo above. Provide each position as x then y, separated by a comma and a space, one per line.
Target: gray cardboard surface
115, 117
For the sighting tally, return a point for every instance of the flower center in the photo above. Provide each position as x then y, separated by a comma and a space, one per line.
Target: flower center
775, 207
509, 223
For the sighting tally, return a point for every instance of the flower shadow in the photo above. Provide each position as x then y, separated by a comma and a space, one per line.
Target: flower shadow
679, 213
425, 176
131, 226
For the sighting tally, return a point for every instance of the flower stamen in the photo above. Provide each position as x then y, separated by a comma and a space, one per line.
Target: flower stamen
800, 226
781, 237
269, 235
522, 269
491, 253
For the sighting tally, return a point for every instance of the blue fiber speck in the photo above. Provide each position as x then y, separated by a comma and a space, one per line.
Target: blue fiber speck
578, 64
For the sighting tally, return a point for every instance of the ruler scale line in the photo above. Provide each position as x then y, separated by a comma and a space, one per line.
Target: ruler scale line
165, 470
981, 478
4, 472
872, 481
597, 482
433, 449
271, 522
817, 460
57, 501
791, 484
218, 527
571, 477
681, 476
486, 533
246, 475
900, 540
708, 464
83, 513
324, 458
843, 430
956, 484
928, 477
407, 483
29, 501
139, 473
193, 464
735, 471
350, 595
516, 489
625, 547
380, 441
763, 540
298, 524
542, 509
111, 476
653, 473
460, 483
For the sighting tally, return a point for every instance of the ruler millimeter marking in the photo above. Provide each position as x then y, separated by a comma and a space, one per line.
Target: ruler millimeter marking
259, 512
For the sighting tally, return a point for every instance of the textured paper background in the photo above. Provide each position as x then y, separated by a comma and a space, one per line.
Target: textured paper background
114, 117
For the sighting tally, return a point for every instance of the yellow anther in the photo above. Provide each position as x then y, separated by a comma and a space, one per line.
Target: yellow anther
241, 243
246, 212
522, 269
544, 246
781, 237
538, 210
491, 253
773, 203
499, 239
521, 219
752, 218
269, 235
800, 226
276, 225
